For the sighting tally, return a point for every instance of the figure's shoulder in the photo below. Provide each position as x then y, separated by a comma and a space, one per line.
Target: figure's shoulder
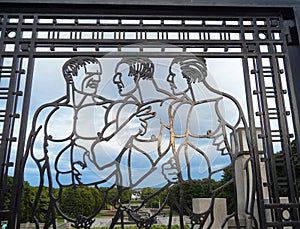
61, 102
230, 111
45, 111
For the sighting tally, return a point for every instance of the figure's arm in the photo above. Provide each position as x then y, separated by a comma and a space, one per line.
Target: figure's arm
230, 120
125, 118
36, 149
123, 121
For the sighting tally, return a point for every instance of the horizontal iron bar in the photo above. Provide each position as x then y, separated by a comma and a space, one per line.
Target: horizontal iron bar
145, 28
286, 223
146, 54
144, 41
204, 15
282, 205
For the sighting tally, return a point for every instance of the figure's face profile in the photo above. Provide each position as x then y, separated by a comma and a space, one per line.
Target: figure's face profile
177, 83
125, 83
88, 78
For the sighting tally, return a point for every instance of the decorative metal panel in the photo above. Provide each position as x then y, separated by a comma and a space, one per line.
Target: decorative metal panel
139, 108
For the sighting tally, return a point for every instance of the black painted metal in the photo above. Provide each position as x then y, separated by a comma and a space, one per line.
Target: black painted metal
27, 36
254, 3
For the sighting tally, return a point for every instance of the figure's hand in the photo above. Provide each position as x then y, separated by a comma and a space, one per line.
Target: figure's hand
78, 167
142, 115
170, 171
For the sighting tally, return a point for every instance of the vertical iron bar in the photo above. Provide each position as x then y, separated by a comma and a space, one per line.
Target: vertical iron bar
256, 160
19, 169
285, 140
273, 185
9, 107
3, 143
293, 102
12, 215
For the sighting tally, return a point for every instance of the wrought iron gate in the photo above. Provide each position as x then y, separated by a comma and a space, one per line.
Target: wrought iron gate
151, 50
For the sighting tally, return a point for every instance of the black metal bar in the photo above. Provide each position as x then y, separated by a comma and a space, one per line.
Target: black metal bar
15, 65
132, 54
3, 134
7, 131
19, 171
273, 184
256, 160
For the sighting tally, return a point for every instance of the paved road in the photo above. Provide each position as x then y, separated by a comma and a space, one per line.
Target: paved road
102, 222
106, 221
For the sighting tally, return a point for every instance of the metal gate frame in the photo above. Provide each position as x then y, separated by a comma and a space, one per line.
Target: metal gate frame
290, 11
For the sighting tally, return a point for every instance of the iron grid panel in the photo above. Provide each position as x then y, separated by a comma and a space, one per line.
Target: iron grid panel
254, 37
209, 35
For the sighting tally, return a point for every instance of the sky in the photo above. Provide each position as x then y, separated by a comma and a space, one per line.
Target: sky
225, 75
49, 85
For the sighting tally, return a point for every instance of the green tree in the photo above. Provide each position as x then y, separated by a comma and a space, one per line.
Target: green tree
147, 192
98, 197
43, 203
112, 195
122, 195
126, 196
227, 191
281, 169
192, 189
296, 159
154, 198
28, 196
79, 201
7, 197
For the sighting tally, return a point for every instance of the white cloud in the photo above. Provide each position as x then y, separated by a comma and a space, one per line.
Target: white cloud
224, 74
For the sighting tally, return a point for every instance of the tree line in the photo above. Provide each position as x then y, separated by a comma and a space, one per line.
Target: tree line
85, 200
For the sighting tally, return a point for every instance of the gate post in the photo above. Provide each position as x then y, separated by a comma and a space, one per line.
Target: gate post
244, 175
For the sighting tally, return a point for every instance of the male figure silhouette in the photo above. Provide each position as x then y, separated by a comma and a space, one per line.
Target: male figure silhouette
134, 78
195, 123
68, 156
143, 156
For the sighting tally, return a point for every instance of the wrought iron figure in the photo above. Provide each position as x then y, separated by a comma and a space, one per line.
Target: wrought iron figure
188, 131
132, 77
148, 126
71, 154
135, 81
183, 111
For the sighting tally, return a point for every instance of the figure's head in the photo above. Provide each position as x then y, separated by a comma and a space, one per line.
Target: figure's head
84, 73
184, 71
129, 71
